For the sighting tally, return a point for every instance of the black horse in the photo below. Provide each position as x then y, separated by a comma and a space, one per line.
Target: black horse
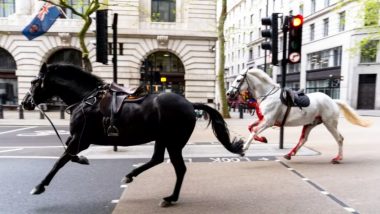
167, 118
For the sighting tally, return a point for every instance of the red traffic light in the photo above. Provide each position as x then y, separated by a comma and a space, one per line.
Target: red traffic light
296, 21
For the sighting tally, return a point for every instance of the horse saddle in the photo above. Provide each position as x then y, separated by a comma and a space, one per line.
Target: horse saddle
113, 100
117, 95
293, 98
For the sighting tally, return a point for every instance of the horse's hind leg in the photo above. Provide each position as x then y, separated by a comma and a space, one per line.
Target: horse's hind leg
333, 129
305, 134
157, 158
176, 158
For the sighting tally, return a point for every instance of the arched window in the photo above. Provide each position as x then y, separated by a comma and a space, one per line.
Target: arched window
8, 80
163, 71
163, 10
7, 7
66, 56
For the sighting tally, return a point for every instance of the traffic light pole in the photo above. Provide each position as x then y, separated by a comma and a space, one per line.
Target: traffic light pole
114, 53
284, 62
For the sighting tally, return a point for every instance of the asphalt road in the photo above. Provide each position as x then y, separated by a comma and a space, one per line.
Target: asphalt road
27, 153
26, 156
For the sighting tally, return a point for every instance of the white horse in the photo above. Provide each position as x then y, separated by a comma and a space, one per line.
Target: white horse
322, 109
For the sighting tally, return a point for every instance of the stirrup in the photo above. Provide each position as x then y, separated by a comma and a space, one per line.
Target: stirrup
112, 131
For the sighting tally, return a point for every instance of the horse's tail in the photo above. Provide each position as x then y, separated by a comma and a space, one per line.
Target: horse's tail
220, 129
351, 115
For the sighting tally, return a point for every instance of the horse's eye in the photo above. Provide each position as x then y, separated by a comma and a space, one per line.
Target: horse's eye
238, 80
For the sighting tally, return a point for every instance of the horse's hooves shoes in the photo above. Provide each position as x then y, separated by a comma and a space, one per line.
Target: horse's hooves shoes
126, 180
37, 190
164, 203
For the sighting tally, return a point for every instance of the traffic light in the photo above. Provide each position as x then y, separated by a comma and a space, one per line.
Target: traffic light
272, 35
101, 36
295, 39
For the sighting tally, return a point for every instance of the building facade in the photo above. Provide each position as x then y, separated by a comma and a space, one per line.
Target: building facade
332, 60
156, 38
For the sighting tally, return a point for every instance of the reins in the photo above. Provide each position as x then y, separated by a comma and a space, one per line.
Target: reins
90, 96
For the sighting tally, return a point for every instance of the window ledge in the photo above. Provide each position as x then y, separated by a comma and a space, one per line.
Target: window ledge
369, 63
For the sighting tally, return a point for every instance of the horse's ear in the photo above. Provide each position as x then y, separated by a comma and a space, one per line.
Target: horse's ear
43, 69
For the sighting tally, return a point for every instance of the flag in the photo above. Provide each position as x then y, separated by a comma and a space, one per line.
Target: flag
42, 22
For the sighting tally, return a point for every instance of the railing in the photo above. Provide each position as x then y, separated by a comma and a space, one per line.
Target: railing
20, 110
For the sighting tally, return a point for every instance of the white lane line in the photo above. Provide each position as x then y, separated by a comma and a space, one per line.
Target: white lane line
11, 150
29, 147
115, 201
16, 130
28, 157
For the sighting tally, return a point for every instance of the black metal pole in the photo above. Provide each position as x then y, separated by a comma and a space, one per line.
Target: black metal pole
1, 112
265, 51
114, 51
284, 62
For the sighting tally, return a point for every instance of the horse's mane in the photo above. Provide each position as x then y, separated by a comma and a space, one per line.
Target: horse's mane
72, 72
260, 74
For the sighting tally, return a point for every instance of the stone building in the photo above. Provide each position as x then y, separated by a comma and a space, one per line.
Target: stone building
331, 61
156, 38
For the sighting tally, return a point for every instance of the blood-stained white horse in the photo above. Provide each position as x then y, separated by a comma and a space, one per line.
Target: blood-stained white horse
320, 109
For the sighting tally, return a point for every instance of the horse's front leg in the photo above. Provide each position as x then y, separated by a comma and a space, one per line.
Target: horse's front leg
69, 154
253, 127
261, 126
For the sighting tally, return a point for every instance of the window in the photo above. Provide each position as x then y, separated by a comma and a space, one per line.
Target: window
259, 51
7, 7
312, 6
294, 68
251, 21
251, 36
327, 3
8, 79
250, 54
368, 52
312, 32
163, 10
301, 9
342, 21
78, 5
325, 27
324, 59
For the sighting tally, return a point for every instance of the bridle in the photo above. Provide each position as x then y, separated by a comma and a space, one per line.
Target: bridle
261, 98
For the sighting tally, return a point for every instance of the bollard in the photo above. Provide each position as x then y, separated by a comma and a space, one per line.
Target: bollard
240, 111
20, 112
42, 107
62, 109
1, 112
218, 106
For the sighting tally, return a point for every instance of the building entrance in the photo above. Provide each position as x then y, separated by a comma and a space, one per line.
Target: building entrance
163, 71
366, 92
8, 79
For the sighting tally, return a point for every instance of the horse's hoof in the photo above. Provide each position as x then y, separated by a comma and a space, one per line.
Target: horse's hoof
333, 161
242, 154
37, 190
264, 140
287, 157
165, 203
81, 160
126, 180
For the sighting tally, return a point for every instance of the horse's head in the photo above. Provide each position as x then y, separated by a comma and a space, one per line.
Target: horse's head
38, 91
238, 85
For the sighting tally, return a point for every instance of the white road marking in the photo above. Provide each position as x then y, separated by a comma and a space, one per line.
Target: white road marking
115, 201
349, 209
10, 150
123, 186
325, 192
28, 157
16, 130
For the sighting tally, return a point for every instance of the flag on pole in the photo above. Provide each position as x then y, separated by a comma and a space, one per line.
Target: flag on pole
45, 18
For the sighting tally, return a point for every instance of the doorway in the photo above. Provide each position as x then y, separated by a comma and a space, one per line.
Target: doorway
163, 71
367, 91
